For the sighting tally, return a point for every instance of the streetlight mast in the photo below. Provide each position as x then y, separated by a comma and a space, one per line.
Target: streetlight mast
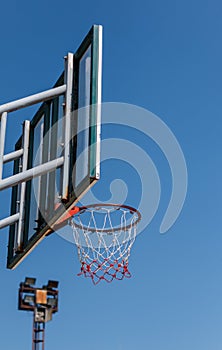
43, 302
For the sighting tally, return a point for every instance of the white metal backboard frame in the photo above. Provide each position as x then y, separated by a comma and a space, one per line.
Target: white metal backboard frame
19, 245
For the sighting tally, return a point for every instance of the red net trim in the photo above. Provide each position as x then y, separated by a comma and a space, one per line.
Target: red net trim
105, 271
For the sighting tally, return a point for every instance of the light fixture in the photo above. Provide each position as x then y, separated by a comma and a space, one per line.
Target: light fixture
52, 284
29, 299
30, 281
51, 302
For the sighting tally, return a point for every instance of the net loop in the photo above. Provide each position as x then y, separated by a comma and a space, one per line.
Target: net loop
104, 235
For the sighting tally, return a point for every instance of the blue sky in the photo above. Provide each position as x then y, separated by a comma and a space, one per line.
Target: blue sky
165, 57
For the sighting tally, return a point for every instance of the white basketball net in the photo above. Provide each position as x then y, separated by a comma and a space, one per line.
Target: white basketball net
104, 235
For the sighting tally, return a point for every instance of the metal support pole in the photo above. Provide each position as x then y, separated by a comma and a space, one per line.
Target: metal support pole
33, 99
26, 131
67, 122
38, 335
3, 121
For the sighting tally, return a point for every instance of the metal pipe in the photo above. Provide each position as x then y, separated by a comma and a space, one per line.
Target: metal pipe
67, 121
9, 220
12, 156
3, 121
25, 142
31, 173
33, 99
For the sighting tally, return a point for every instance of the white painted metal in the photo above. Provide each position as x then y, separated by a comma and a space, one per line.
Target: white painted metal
67, 122
3, 122
99, 99
31, 173
19, 237
33, 99
27, 174
24, 175
9, 220
12, 156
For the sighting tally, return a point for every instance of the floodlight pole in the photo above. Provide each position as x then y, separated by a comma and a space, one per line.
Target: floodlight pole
43, 302
38, 335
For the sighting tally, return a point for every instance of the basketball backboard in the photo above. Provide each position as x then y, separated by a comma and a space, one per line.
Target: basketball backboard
67, 126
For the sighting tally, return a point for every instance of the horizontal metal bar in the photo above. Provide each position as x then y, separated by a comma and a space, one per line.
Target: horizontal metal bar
31, 173
12, 156
33, 99
9, 220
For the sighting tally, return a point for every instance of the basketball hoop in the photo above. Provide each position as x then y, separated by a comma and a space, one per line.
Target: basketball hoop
104, 235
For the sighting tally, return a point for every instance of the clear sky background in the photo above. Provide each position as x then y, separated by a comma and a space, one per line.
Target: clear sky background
164, 56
